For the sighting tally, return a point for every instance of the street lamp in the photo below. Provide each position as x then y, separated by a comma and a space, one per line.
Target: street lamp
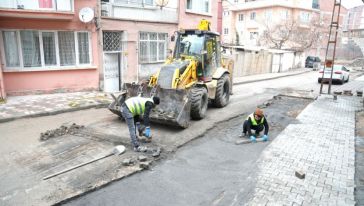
163, 3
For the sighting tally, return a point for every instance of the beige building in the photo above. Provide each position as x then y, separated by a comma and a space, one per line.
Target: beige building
245, 21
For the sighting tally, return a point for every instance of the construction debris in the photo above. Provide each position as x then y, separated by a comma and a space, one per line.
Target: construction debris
359, 93
62, 130
348, 93
128, 162
144, 165
142, 158
300, 174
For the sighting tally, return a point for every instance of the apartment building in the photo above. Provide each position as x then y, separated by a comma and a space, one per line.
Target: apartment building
354, 22
245, 21
136, 35
46, 48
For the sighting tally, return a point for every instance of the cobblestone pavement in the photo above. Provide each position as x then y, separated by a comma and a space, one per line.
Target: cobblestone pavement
47, 104
322, 146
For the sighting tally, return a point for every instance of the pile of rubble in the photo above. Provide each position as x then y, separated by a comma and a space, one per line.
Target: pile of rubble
62, 130
357, 63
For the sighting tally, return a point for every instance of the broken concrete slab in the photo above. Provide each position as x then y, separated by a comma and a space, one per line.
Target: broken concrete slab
142, 158
144, 165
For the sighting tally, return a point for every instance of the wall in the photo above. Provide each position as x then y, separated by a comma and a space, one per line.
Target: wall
2, 86
251, 62
188, 20
135, 71
20, 82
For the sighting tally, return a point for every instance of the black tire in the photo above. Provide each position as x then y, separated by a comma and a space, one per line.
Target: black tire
341, 81
199, 101
319, 81
222, 95
348, 79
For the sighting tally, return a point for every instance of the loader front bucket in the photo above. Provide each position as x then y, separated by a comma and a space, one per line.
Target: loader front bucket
173, 109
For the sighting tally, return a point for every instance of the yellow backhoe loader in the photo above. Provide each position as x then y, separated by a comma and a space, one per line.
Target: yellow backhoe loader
188, 81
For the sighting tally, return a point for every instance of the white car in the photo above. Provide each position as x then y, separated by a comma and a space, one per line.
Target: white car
339, 75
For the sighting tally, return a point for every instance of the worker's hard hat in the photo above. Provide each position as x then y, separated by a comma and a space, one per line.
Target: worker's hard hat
258, 112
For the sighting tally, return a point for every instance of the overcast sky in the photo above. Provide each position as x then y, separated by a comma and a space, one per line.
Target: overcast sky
351, 3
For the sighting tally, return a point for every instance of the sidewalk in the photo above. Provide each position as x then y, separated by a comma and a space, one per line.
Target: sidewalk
49, 104
322, 146
268, 76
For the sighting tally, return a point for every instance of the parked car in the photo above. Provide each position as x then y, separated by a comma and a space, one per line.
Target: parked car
311, 61
340, 74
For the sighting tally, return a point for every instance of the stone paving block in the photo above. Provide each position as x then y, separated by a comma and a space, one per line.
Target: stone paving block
327, 154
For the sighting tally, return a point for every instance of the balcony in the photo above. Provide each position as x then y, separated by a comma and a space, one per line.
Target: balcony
37, 9
139, 10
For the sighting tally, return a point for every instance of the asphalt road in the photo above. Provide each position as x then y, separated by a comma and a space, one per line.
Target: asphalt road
211, 170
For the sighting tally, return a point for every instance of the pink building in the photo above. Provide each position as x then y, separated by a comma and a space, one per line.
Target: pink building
46, 48
136, 35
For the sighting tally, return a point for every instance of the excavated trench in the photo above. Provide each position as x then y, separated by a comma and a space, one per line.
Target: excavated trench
217, 169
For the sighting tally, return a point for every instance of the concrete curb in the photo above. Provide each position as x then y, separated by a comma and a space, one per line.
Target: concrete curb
270, 78
41, 114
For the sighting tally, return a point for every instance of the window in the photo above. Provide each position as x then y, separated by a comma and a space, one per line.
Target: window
152, 47
305, 17
284, 14
112, 41
253, 35
44, 49
10, 40
226, 13
268, 14
135, 2
67, 53
198, 6
241, 17
83, 48
236, 1
226, 31
49, 48
55, 5
252, 16
30, 48
315, 4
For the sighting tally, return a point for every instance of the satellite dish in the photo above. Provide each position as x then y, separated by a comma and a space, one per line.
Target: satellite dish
86, 14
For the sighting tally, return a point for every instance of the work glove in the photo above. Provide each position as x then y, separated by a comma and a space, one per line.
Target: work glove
147, 132
253, 139
265, 138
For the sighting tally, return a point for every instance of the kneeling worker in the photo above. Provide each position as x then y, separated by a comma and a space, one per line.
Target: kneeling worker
131, 110
256, 121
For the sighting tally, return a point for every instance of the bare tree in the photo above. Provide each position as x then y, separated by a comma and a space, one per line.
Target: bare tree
278, 35
293, 36
306, 37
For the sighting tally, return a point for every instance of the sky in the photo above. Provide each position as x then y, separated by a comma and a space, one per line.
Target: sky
351, 3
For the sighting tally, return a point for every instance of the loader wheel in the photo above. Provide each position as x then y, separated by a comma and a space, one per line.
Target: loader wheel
199, 101
222, 92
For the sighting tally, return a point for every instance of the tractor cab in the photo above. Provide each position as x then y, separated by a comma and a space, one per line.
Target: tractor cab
202, 46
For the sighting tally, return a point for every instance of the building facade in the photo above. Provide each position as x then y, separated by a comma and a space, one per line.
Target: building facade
45, 47
245, 21
137, 35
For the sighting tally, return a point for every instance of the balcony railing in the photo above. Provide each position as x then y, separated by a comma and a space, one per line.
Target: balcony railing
41, 5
